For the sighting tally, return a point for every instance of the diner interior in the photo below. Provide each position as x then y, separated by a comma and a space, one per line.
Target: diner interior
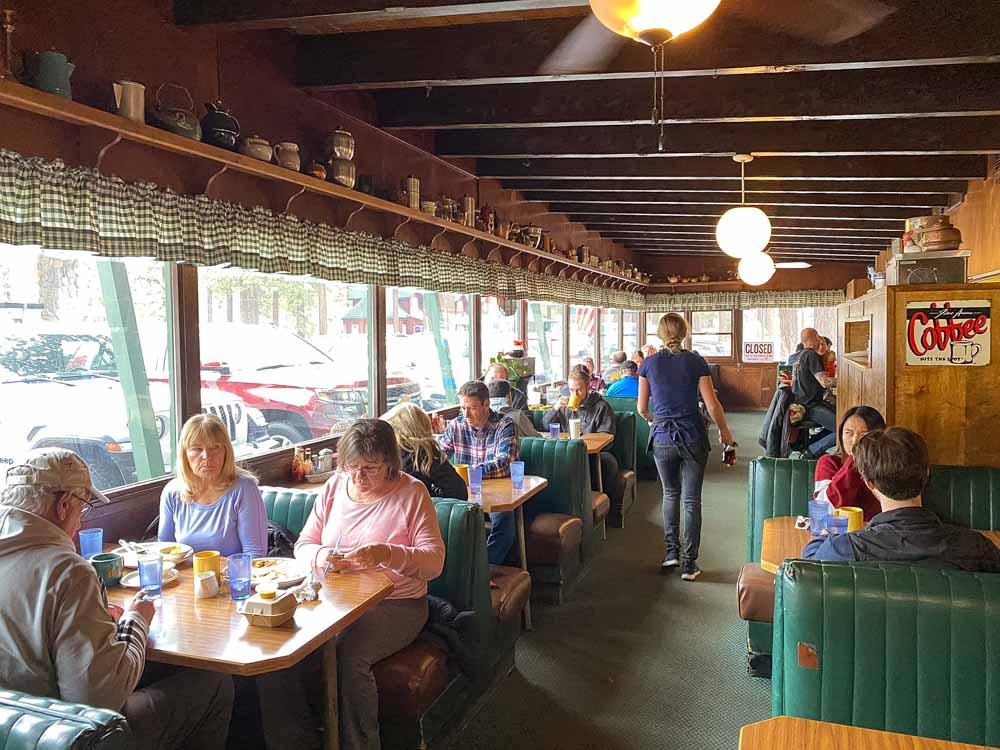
287, 220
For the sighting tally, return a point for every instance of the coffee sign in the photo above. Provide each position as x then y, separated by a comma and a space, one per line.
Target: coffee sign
955, 332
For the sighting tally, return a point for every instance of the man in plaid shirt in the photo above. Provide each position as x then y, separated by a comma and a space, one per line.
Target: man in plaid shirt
482, 437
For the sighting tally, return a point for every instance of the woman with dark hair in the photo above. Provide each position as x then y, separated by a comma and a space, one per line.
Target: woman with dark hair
837, 481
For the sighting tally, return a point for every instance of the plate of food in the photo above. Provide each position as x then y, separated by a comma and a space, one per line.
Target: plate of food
281, 571
174, 552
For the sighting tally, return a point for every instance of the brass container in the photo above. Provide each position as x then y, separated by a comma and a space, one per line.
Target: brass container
343, 172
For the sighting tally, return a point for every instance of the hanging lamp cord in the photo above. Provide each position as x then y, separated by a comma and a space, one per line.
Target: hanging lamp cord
659, 92
743, 183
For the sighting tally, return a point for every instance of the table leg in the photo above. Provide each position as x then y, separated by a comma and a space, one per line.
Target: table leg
600, 478
332, 713
519, 519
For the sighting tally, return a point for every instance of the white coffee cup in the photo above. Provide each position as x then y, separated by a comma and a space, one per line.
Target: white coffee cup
574, 429
206, 585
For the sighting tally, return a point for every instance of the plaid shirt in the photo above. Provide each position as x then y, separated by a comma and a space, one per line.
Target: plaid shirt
493, 447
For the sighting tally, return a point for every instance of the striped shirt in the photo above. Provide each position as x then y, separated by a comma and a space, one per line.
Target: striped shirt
493, 446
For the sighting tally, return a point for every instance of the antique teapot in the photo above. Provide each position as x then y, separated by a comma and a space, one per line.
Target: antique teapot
50, 71
220, 128
339, 145
179, 120
257, 147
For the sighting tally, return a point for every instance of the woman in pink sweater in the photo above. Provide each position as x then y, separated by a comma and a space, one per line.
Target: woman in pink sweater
372, 516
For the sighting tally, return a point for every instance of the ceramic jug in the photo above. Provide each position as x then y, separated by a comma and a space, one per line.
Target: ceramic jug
50, 71
130, 100
287, 155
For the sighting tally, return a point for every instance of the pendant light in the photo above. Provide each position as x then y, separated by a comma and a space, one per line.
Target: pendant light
756, 269
744, 230
654, 23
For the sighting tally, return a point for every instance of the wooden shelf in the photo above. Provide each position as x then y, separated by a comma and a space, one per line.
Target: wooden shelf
694, 286
223, 175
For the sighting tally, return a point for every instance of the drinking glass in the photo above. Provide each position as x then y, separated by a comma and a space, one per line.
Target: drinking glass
517, 474
476, 479
575, 429
239, 576
91, 542
151, 574
554, 430
836, 524
818, 512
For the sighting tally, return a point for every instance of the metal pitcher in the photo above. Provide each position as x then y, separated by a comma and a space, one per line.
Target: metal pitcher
50, 71
130, 100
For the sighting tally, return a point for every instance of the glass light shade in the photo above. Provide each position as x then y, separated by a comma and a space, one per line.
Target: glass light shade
743, 231
632, 18
756, 269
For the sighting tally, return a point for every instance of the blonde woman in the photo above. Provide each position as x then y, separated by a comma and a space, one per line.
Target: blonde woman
422, 459
212, 504
674, 378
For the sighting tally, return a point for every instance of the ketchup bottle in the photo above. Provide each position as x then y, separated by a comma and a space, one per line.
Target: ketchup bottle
729, 455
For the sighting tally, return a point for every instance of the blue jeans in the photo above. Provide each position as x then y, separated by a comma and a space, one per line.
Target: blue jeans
503, 532
825, 417
682, 473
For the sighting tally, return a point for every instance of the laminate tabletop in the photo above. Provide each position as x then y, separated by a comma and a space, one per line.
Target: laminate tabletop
499, 494
785, 732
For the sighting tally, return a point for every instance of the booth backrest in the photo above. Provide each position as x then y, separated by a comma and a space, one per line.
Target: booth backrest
643, 458
28, 722
965, 495
891, 647
564, 464
624, 446
536, 419
289, 507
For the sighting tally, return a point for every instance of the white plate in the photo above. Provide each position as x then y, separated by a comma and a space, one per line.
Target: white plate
289, 571
129, 560
131, 580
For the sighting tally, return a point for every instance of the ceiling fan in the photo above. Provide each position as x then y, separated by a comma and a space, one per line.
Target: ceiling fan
591, 46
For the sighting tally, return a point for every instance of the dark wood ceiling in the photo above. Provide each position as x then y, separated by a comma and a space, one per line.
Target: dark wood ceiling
850, 139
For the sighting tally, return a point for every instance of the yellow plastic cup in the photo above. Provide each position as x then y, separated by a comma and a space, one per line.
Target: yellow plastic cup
574, 401
463, 471
855, 517
208, 561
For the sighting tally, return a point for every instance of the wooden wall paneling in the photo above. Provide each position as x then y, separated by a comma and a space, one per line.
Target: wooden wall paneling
378, 386
747, 386
820, 276
978, 217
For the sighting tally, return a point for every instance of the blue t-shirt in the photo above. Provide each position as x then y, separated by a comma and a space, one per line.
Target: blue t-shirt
673, 388
236, 522
626, 387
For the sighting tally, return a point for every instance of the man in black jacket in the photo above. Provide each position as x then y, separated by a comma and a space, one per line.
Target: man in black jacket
894, 465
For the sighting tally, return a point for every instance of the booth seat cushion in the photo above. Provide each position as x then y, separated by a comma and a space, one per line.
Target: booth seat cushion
601, 504
755, 592
290, 508
510, 592
411, 680
644, 457
548, 534
28, 722
887, 646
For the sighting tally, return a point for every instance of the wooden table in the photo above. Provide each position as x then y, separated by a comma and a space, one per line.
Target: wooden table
782, 541
595, 442
499, 496
787, 732
210, 634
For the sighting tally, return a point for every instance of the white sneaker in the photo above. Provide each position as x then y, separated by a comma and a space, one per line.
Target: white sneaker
690, 572
669, 562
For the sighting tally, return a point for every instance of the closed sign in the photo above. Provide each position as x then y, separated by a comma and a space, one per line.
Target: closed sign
758, 352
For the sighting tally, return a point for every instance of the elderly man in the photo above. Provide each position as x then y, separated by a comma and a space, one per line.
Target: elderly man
480, 436
614, 372
809, 381
518, 399
628, 385
58, 636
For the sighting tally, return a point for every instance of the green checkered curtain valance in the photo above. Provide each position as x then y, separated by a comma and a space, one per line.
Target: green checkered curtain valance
55, 206
799, 298
708, 301
697, 302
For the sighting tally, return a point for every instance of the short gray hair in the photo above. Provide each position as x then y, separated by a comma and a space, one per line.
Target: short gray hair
33, 498
372, 439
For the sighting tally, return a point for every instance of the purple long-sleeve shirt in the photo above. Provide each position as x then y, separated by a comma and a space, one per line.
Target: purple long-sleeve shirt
236, 522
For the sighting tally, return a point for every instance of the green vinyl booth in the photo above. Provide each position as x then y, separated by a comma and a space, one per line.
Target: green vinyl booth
28, 722
964, 495
422, 691
644, 463
888, 646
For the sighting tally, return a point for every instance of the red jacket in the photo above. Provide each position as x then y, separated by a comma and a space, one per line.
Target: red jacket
843, 486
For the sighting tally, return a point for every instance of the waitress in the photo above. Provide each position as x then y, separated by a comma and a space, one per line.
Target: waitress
674, 378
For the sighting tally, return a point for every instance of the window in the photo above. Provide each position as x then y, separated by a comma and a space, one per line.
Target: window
630, 335
712, 333
428, 346
546, 334
610, 343
293, 351
582, 331
77, 369
498, 323
782, 326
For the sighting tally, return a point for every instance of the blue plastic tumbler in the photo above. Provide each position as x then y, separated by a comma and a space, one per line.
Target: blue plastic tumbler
836, 524
151, 575
554, 430
818, 512
475, 479
517, 474
239, 576
91, 542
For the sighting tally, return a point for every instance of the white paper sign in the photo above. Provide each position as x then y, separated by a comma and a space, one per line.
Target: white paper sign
948, 332
758, 352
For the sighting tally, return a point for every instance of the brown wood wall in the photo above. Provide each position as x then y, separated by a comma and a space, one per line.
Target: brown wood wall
820, 276
747, 387
979, 219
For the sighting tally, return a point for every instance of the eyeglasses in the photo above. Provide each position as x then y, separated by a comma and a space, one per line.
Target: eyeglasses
88, 505
368, 472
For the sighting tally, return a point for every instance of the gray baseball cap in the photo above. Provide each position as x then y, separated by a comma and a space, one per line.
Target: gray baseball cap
56, 469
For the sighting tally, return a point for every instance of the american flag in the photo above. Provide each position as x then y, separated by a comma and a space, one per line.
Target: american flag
585, 321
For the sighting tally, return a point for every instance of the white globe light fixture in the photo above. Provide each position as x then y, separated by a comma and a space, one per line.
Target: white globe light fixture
744, 230
652, 22
756, 269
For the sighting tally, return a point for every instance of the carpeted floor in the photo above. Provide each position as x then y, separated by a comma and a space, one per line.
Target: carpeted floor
638, 658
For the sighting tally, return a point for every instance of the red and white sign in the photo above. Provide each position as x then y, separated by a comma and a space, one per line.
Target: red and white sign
758, 352
955, 332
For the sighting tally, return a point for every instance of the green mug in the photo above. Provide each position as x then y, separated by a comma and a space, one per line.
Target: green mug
109, 567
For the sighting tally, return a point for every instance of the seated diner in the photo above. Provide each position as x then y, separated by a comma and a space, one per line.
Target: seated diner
498, 372
628, 384
500, 402
837, 478
422, 458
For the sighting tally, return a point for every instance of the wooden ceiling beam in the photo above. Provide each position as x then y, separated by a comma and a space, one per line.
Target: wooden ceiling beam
755, 186
811, 257
882, 213
914, 201
945, 91
876, 168
708, 230
892, 227
514, 52
776, 240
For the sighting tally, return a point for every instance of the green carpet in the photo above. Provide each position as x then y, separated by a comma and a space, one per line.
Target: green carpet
637, 658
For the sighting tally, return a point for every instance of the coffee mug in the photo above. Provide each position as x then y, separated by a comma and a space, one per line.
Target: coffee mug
208, 561
463, 471
855, 517
109, 567
206, 585
574, 401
